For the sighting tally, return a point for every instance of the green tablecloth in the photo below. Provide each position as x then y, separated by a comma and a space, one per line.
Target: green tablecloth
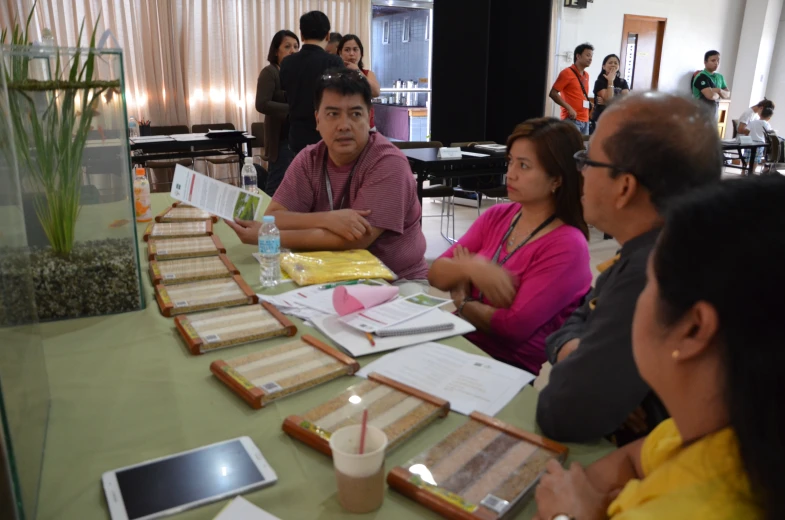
124, 389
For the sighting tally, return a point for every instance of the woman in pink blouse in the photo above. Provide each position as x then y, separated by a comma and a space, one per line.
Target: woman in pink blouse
523, 267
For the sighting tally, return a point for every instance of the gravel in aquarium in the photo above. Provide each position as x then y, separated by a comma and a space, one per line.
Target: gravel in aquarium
99, 277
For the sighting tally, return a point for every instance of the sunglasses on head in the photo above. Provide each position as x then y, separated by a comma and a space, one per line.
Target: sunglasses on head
352, 74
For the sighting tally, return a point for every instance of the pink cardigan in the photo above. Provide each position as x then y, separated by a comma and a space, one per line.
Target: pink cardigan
552, 274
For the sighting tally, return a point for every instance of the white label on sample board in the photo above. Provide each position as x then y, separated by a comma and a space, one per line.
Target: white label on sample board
170, 276
162, 252
212, 338
181, 303
271, 387
495, 503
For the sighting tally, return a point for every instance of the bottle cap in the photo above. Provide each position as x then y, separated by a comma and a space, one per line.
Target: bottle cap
139, 171
249, 160
268, 218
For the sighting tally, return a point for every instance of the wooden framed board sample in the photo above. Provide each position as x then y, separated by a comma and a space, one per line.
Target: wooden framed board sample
176, 248
207, 294
483, 470
184, 214
276, 372
397, 409
213, 330
202, 228
173, 272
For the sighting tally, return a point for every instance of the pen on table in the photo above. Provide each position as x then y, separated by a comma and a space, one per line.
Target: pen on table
334, 285
370, 338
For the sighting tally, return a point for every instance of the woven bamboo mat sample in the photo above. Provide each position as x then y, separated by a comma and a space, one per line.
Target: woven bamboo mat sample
397, 409
484, 469
213, 330
276, 372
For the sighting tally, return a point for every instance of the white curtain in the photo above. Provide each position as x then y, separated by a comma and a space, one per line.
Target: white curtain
188, 61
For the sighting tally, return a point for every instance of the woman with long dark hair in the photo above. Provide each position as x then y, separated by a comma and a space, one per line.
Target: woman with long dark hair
707, 338
352, 52
523, 267
271, 101
609, 84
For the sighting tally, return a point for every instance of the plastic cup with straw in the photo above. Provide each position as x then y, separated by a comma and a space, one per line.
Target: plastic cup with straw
358, 458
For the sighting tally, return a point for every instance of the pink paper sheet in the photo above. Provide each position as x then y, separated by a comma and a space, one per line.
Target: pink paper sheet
352, 298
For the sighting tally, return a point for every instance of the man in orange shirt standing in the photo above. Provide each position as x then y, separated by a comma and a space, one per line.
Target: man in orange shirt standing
571, 89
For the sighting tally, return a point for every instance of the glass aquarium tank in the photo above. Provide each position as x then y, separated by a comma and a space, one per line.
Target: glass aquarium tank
74, 247
24, 385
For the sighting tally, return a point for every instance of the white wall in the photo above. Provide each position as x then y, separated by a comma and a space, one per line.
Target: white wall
756, 47
775, 88
693, 27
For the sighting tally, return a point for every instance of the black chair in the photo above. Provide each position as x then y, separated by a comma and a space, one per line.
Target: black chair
257, 130
772, 163
160, 172
443, 191
493, 192
229, 158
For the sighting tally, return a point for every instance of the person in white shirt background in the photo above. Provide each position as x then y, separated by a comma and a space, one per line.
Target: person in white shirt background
758, 129
752, 114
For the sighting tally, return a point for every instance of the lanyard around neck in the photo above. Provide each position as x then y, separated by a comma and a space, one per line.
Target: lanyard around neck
523, 243
348, 181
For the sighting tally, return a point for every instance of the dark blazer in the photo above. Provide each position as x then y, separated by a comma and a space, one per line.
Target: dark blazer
593, 390
271, 101
300, 73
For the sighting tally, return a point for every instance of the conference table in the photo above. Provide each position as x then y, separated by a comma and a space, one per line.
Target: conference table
735, 145
124, 389
426, 164
180, 146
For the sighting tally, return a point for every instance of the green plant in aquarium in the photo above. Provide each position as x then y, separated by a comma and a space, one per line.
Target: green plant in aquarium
50, 128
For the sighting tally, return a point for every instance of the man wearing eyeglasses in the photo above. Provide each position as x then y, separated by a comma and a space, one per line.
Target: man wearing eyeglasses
636, 163
352, 190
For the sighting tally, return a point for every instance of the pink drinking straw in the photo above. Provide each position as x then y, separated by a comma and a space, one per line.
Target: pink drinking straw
363, 429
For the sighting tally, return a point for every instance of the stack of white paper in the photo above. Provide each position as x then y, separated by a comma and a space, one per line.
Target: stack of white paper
357, 344
468, 381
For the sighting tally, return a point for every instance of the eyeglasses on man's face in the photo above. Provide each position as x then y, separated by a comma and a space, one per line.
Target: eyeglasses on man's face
582, 162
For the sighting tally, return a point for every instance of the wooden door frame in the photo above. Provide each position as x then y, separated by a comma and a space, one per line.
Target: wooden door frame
655, 74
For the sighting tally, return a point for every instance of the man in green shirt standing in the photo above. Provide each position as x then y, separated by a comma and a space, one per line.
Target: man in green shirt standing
708, 85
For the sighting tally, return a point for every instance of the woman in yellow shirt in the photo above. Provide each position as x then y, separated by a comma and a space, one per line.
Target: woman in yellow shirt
707, 337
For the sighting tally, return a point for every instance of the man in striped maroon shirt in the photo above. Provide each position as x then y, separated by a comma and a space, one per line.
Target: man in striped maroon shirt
351, 190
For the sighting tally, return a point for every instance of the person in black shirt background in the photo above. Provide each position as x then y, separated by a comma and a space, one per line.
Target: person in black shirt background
299, 74
608, 84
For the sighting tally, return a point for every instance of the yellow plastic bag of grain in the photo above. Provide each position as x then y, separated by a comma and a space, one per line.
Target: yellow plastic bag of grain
333, 266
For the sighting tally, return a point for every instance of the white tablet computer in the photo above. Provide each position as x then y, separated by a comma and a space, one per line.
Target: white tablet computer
172, 484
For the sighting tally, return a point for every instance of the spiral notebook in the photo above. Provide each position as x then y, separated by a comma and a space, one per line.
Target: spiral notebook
407, 329
357, 344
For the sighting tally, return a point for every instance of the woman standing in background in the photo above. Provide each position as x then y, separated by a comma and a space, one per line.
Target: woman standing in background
271, 101
609, 84
351, 50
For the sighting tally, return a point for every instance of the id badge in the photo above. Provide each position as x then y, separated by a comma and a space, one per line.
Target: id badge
586, 103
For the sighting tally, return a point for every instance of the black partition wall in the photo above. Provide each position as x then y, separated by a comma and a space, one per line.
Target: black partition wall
490, 67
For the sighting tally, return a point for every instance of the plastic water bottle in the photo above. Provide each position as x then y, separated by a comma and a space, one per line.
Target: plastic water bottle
249, 176
144, 212
133, 128
269, 252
